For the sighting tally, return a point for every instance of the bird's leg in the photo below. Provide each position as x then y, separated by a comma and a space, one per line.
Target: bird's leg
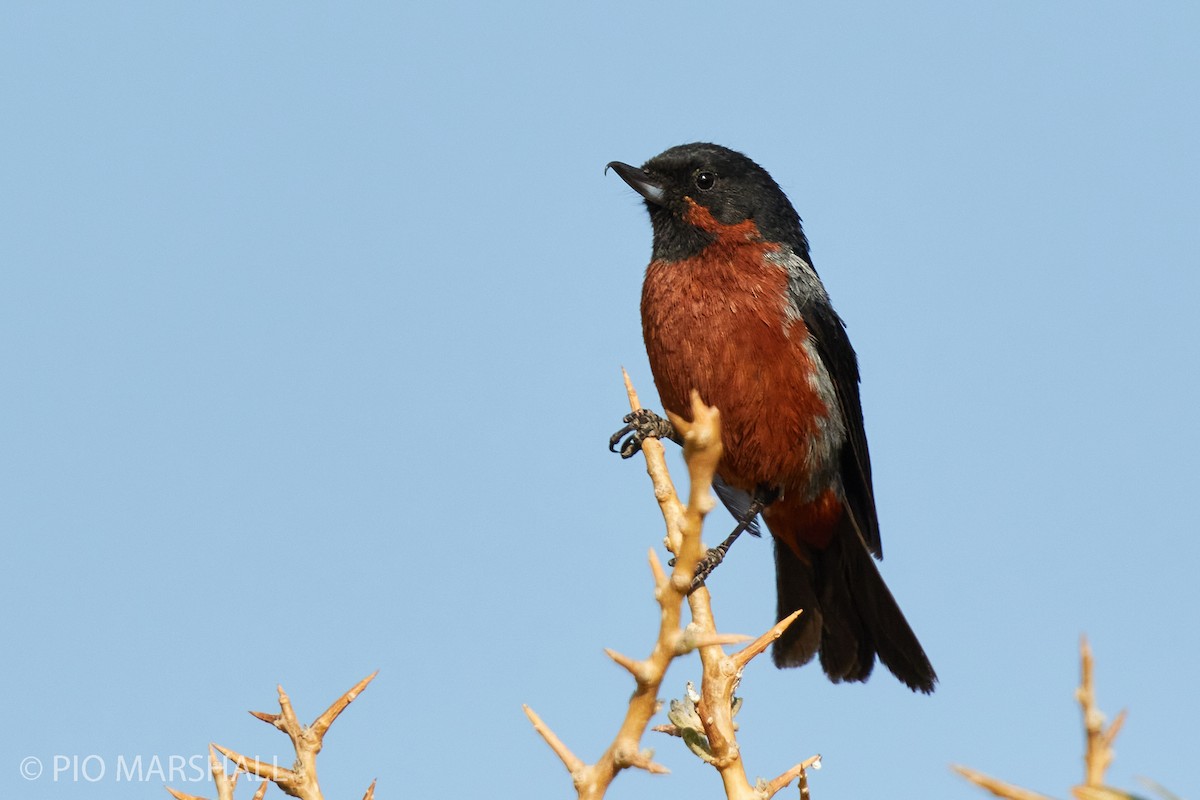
761, 498
641, 425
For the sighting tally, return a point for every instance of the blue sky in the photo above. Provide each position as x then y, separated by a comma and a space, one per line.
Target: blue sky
311, 322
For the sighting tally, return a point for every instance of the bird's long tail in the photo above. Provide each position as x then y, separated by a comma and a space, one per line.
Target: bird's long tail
849, 614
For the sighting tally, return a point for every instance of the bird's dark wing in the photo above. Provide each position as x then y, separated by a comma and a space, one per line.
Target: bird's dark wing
829, 334
738, 502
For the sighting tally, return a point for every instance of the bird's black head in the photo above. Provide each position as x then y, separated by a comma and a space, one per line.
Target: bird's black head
696, 192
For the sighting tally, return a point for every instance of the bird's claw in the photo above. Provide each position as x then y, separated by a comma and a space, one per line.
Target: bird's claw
640, 425
704, 567
712, 558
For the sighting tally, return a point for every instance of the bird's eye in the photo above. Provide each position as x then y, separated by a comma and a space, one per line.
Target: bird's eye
705, 180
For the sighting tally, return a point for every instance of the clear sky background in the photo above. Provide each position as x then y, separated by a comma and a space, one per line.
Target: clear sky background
311, 323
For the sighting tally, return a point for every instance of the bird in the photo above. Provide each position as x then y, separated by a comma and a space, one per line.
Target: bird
732, 307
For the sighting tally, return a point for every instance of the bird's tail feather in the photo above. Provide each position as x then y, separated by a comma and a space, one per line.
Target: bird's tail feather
849, 614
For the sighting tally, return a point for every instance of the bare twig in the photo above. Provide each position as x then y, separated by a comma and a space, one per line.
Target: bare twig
301, 780
742, 657
1100, 793
997, 787
224, 782
799, 771
1098, 752
572, 762
1159, 789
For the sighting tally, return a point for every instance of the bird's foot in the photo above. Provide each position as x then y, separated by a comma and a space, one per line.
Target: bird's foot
641, 425
763, 496
712, 558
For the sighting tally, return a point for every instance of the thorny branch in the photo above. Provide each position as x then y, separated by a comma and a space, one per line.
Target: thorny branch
715, 739
301, 780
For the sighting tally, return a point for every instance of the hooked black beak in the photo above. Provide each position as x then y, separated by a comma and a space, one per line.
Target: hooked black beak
642, 183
